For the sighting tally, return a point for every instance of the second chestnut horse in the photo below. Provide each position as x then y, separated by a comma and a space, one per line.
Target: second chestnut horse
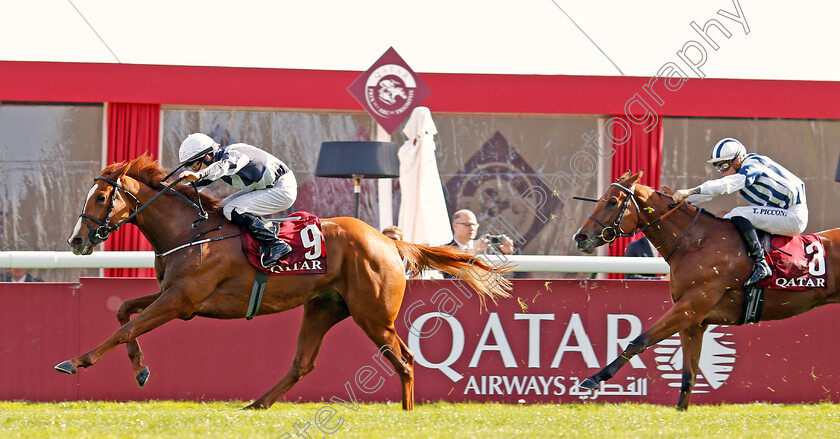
709, 264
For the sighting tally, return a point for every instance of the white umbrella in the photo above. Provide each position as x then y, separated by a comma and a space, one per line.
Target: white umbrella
423, 217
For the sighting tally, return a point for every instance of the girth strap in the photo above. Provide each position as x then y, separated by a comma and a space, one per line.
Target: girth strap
753, 304
256, 294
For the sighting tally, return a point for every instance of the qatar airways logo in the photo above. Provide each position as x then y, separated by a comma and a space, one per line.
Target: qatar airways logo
716, 359
529, 375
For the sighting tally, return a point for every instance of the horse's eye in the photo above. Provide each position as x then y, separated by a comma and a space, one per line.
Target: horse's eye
100, 198
612, 202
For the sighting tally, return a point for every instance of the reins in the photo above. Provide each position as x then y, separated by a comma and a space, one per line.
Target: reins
665, 215
199, 242
101, 233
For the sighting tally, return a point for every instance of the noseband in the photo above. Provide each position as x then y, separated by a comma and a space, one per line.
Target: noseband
100, 234
608, 233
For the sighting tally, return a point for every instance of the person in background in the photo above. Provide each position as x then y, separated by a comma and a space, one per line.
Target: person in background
266, 186
393, 232
19, 275
642, 247
465, 230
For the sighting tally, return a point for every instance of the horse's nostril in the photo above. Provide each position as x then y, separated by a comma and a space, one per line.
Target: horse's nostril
580, 237
76, 241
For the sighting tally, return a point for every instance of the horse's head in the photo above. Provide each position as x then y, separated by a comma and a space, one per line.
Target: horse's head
615, 215
108, 202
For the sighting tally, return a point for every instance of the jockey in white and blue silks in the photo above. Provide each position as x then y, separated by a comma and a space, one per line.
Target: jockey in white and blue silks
777, 195
266, 186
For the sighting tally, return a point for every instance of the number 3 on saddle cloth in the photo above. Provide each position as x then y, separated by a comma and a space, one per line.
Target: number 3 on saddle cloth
798, 263
302, 231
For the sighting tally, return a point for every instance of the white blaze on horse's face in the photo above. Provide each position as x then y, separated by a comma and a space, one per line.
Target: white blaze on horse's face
79, 222
80, 244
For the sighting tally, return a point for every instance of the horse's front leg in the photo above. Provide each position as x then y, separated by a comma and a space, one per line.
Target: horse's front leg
129, 307
676, 319
691, 339
169, 306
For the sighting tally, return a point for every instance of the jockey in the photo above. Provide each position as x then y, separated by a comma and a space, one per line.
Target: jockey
266, 185
779, 195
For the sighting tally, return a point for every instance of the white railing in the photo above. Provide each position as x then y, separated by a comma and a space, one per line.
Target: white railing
145, 259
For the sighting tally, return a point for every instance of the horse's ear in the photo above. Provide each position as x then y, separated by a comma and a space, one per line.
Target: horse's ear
624, 175
635, 177
122, 170
667, 190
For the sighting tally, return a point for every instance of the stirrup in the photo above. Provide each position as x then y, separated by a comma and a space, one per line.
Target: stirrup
761, 270
284, 250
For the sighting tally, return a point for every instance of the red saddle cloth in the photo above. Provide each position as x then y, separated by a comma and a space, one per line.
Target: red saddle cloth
798, 263
302, 231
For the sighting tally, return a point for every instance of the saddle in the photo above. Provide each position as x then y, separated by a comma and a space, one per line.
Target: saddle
798, 262
302, 230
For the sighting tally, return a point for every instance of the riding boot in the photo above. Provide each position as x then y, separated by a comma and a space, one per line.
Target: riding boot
272, 247
761, 269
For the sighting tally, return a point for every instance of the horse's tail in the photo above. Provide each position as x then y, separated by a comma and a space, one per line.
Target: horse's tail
488, 281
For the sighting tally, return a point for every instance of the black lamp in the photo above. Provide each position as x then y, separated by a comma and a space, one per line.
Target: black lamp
357, 160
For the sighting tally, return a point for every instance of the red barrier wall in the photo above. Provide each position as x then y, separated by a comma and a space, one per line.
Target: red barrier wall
570, 330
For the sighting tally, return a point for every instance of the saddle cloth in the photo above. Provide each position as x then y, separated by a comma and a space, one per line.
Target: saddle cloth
302, 231
798, 263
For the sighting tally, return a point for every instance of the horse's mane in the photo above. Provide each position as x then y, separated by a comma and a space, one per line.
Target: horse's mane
148, 171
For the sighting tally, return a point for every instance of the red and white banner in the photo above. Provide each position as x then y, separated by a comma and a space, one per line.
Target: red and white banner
534, 347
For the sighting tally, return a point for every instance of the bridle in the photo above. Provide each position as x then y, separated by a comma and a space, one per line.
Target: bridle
609, 234
100, 234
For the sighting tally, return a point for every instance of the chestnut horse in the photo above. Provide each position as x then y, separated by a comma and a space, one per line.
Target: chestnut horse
709, 264
365, 275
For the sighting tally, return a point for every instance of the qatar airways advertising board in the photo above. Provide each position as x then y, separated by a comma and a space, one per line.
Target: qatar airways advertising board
539, 345
536, 347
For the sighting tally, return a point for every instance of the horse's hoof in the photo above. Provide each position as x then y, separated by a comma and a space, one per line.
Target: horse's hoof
589, 383
66, 367
142, 377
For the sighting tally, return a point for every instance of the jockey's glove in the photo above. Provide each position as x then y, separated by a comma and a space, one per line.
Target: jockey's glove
682, 194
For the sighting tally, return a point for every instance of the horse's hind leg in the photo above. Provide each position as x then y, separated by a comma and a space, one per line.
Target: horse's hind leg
391, 346
167, 307
692, 343
319, 315
129, 307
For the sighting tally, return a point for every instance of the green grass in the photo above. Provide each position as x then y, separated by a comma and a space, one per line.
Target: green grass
168, 419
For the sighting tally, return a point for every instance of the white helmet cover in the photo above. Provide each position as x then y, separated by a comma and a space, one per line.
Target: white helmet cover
195, 146
727, 149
